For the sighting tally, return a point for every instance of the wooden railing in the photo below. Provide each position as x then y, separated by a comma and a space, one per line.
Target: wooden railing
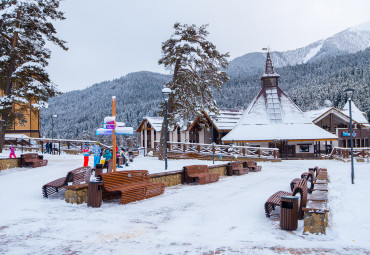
221, 150
345, 153
38, 144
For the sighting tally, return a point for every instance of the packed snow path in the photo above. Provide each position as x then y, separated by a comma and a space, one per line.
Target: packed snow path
227, 216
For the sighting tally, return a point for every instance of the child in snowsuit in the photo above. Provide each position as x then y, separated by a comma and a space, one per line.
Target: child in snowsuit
107, 155
86, 152
12, 152
97, 152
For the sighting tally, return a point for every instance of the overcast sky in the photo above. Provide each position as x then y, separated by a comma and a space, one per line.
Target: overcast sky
108, 39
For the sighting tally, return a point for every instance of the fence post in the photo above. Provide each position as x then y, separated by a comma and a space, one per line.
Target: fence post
184, 147
198, 148
243, 151
259, 153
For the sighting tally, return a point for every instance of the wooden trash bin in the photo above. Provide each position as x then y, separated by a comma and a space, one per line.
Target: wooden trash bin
289, 212
229, 169
95, 192
98, 170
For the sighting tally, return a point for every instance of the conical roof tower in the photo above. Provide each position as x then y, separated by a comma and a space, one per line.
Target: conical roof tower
273, 115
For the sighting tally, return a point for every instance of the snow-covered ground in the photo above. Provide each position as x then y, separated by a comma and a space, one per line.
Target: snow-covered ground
187, 219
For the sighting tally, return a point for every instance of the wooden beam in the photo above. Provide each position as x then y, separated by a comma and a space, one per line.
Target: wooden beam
114, 133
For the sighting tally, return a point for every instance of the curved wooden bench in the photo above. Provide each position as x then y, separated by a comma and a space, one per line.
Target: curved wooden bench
199, 174
309, 176
275, 200
130, 186
76, 176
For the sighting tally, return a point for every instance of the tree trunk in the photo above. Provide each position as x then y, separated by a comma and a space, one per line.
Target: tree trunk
162, 140
8, 86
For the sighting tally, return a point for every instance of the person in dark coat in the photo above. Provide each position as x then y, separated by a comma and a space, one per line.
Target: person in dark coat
47, 147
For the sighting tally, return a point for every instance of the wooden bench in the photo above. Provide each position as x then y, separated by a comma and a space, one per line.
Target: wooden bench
238, 168
252, 165
309, 176
76, 176
199, 174
130, 186
33, 159
275, 200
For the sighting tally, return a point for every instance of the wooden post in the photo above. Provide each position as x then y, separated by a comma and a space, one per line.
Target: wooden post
243, 151
114, 133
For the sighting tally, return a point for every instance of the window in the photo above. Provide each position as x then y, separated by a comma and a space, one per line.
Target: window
304, 148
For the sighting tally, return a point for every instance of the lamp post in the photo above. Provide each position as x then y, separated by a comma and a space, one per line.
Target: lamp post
212, 116
52, 132
22, 142
166, 95
350, 93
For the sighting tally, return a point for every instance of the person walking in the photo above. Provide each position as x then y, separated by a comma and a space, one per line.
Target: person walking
97, 153
86, 152
47, 147
12, 153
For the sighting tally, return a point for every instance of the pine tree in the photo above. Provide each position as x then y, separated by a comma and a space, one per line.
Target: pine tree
196, 68
24, 28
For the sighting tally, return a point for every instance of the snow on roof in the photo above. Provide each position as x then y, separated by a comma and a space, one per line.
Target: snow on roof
357, 115
19, 136
270, 132
314, 114
227, 118
155, 122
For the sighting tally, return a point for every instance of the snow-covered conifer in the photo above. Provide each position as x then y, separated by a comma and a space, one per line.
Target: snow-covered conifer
25, 26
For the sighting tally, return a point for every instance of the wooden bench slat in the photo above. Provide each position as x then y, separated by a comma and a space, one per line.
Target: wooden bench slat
130, 185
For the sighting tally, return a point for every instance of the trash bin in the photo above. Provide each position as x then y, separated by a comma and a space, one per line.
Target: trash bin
98, 169
229, 169
94, 196
289, 213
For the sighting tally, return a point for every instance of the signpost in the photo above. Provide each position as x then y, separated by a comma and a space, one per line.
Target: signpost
113, 128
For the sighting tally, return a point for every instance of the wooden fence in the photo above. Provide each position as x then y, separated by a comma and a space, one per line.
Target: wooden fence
221, 150
345, 153
38, 144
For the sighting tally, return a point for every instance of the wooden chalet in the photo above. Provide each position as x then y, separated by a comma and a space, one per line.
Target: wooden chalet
30, 127
199, 131
336, 121
273, 120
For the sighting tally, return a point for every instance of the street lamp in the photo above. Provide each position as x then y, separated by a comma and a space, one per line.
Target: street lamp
166, 95
350, 93
213, 117
52, 132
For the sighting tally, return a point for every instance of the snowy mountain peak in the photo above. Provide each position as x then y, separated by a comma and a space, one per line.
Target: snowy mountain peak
350, 40
362, 27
